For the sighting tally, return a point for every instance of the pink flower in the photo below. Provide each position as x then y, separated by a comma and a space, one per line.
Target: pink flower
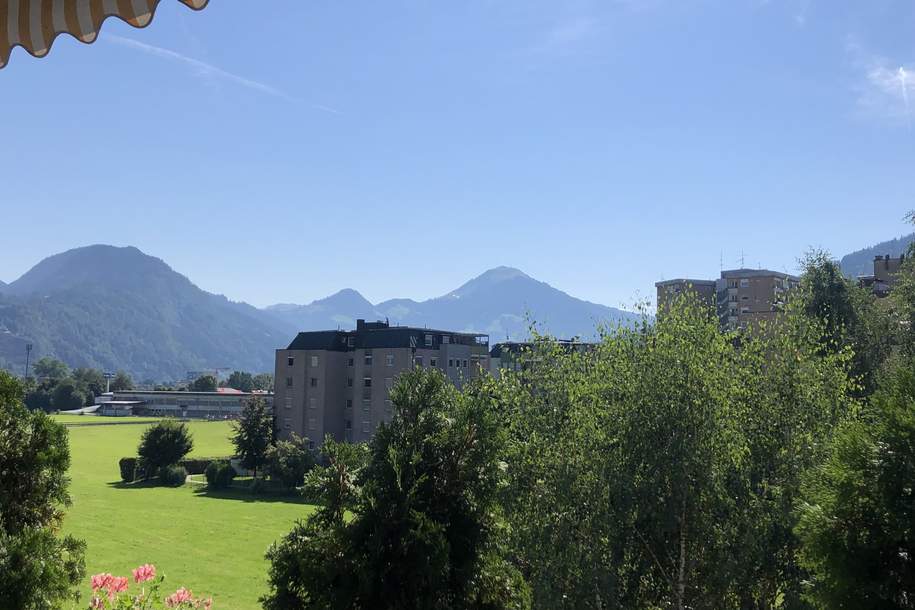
144, 572
178, 597
100, 581
207, 603
115, 585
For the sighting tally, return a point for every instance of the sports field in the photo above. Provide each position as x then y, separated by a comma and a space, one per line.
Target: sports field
213, 544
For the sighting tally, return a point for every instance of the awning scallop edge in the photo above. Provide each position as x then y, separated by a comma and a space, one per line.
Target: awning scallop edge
35, 24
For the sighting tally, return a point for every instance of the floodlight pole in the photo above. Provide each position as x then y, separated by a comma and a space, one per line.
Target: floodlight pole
28, 352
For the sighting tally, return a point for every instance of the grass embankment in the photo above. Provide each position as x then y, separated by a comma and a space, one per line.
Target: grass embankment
213, 543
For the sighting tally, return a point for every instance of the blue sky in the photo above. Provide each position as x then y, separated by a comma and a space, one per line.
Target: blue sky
279, 151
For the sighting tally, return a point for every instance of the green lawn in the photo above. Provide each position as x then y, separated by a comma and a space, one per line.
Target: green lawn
212, 544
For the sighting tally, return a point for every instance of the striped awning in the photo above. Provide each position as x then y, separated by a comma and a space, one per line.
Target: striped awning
34, 24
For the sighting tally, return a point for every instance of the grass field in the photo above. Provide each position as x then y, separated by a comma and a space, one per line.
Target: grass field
213, 544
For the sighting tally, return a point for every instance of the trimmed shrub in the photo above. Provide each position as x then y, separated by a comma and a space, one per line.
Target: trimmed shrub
200, 465
220, 474
128, 466
172, 475
164, 444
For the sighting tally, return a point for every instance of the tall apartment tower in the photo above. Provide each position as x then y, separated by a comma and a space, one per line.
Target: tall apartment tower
337, 382
741, 298
749, 296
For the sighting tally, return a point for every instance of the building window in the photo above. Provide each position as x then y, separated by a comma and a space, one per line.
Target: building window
744, 310
367, 382
349, 362
349, 382
290, 361
289, 382
314, 382
348, 424
433, 362
366, 426
428, 340
388, 383
311, 445
389, 360
465, 364
744, 283
368, 358
350, 341
312, 423
313, 403
446, 339
349, 403
388, 405
289, 402
744, 298
287, 424
418, 361
314, 362
366, 405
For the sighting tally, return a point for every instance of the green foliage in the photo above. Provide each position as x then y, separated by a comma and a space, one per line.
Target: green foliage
204, 383
121, 382
850, 317
240, 380
67, 395
90, 381
219, 474
128, 468
164, 444
289, 461
38, 570
172, 475
658, 468
253, 434
426, 528
50, 368
856, 515
263, 381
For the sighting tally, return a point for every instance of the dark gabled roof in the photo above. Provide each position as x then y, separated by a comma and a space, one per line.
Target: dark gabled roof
377, 336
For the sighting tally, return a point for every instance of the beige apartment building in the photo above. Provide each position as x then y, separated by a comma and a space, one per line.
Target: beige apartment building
741, 298
884, 277
337, 382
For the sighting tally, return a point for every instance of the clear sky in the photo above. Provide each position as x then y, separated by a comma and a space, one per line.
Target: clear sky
280, 151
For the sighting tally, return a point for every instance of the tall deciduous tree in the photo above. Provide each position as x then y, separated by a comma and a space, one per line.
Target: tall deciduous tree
254, 433
263, 381
38, 569
658, 468
426, 523
50, 368
121, 382
204, 383
240, 380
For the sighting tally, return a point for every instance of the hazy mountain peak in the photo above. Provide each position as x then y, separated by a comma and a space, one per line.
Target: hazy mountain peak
488, 279
86, 265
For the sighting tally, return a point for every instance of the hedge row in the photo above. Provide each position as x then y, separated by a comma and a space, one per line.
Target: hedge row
130, 472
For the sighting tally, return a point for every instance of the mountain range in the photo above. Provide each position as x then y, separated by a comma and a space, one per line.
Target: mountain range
118, 308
